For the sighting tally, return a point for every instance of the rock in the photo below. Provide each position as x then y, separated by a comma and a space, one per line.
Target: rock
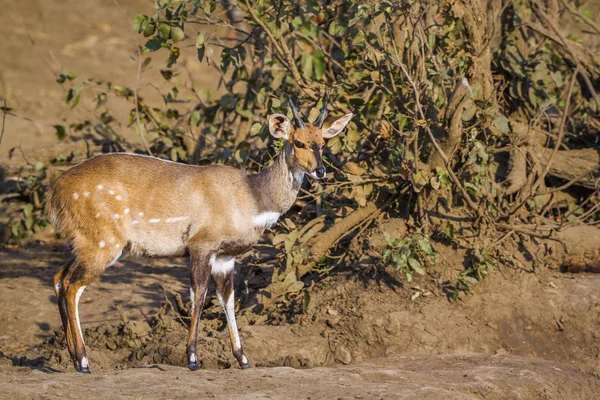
343, 355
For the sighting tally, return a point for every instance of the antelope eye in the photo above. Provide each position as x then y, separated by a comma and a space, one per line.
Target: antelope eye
299, 144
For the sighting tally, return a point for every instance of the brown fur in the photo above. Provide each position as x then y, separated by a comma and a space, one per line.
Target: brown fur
116, 202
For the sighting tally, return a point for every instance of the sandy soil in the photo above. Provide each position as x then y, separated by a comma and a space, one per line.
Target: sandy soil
467, 376
521, 336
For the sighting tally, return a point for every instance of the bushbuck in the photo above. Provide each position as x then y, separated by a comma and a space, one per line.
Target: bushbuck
143, 205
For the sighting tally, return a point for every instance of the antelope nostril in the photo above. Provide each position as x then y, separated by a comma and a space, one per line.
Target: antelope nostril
320, 172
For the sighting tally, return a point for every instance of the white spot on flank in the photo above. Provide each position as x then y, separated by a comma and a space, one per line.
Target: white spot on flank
98, 215
126, 211
154, 220
77, 297
102, 244
75, 196
175, 219
111, 192
99, 187
118, 197
221, 265
140, 214
266, 219
135, 222
86, 194
116, 216
117, 245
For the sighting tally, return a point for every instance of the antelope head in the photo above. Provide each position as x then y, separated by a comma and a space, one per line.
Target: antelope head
306, 139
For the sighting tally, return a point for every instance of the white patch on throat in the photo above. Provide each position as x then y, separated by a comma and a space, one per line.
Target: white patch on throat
221, 265
298, 176
266, 219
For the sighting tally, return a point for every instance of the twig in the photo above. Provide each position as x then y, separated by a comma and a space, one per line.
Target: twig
580, 15
526, 231
563, 187
123, 314
561, 132
137, 83
437, 147
283, 51
3, 120
561, 41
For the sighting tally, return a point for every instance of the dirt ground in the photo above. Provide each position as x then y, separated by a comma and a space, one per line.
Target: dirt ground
364, 334
519, 335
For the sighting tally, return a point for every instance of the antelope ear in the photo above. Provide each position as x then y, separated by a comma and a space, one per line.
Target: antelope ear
279, 126
333, 126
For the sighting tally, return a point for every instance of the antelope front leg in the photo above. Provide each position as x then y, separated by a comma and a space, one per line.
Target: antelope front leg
224, 287
200, 263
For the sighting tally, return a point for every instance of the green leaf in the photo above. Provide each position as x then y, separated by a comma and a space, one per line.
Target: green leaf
149, 30
296, 286
28, 210
209, 6
139, 22
319, 64
61, 132
165, 30
243, 112
290, 279
177, 34
416, 266
195, 118
153, 44
307, 65
255, 128
335, 145
200, 40
449, 231
425, 246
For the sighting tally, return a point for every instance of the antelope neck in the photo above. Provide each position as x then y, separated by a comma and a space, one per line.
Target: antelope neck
277, 186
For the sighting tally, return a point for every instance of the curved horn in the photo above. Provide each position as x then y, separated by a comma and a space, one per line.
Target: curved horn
323, 114
297, 118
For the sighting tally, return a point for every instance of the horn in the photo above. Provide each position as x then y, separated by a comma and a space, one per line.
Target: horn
297, 118
323, 114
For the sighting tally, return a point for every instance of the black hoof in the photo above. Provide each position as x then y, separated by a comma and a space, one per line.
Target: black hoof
85, 370
244, 366
193, 366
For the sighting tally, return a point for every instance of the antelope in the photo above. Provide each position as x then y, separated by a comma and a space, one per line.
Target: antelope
119, 202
